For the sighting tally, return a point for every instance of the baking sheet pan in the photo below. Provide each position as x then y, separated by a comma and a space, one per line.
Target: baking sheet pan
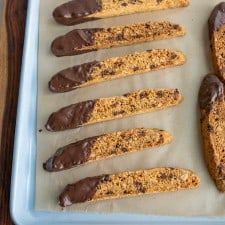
23, 190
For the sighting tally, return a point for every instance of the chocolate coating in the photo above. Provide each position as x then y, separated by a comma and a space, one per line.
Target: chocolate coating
71, 116
211, 90
68, 79
76, 11
217, 18
72, 42
81, 191
70, 155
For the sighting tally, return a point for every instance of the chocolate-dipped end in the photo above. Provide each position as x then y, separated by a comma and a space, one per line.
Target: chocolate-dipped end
73, 42
70, 155
211, 90
217, 18
76, 11
69, 79
72, 116
81, 191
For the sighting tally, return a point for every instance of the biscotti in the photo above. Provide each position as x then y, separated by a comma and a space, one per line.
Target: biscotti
79, 41
212, 107
217, 38
78, 11
106, 146
103, 109
114, 68
127, 184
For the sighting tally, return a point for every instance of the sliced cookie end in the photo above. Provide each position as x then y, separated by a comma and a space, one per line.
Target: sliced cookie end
217, 18
211, 90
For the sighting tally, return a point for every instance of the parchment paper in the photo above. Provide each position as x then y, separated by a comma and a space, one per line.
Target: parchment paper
182, 121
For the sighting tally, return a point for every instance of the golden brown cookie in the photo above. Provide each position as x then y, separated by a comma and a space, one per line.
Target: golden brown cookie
114, 68
212, 107
106, 146
78, 11
103, 109
217, 38
79, 41
127, 184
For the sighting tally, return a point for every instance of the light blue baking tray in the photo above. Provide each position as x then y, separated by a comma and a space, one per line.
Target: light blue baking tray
24, 160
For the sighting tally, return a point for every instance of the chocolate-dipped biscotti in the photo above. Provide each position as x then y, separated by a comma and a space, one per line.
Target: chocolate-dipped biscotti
114, 68
212, 107
79, 41
127, 184
106, 146
217, 38
78, 11
103, 109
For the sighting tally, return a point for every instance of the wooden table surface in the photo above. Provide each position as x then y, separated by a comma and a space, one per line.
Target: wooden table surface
12, 26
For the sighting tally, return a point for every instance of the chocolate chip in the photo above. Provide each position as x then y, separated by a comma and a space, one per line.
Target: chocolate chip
104, 72
119, 113
138, 184
119, 64
114, 104
140, 187
135, 68
210, 128
106, 178
152, 67
173, 56
120, 37
128, 137
109, 192
113, 152
126, 95
137, 36
163, 176
176, 94
126, 192
107, 72
160, 94
124, 4
40, 130
123, 149
161, 140
159, 1
143, 189
143, 95
132, 108
118, 146
142, 134
135, 1
170, 176
175, 26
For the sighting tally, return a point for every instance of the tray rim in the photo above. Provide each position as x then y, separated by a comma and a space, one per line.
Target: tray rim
23, 190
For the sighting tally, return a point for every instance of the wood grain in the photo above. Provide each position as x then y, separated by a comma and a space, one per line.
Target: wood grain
11, 47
